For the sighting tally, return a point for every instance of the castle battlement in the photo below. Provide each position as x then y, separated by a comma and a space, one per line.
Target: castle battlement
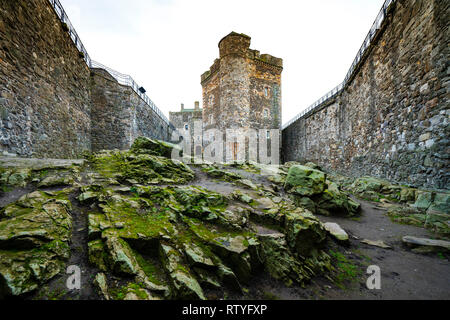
242, 89
238, 44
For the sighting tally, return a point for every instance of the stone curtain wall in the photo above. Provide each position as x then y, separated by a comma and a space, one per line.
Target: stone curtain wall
44, 84
111, 112
119, 115
146, 123
49, 98
391, 120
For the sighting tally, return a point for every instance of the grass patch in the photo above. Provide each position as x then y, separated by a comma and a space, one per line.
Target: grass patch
362, 255
267, 295
346, 271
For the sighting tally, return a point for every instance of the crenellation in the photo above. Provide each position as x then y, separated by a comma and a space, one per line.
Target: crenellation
242, 89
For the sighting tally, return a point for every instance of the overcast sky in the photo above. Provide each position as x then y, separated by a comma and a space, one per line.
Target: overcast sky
165, 45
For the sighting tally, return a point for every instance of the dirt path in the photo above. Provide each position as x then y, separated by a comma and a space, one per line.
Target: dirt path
404, 274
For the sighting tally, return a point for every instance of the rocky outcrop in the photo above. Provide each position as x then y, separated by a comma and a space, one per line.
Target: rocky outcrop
426, 208
311, 189
144, 145
146, 166
153, 234
35, 233
20, 173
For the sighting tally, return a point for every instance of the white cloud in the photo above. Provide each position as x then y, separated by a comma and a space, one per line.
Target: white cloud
166, 45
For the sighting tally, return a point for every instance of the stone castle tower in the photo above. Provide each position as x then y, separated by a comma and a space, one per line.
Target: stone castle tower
242, 89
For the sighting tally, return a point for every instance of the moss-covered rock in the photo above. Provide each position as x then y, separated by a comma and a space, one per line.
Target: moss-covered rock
441, 203
304, 181
311, 190
122, 259
146, 169
132, 291
155, 238
424, 200
216, 173
184, 284
100, 284
34, 242
240, 253
97, 254
58, 179
313, 165
19, 177
334, 202
305, 234
408, 195
144, 145
279, 262
364, 184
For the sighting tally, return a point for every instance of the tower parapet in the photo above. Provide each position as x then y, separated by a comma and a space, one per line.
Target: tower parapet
238, 44
234, 43
242, 89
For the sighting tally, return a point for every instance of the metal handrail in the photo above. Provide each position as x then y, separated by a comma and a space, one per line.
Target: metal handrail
123, 79
366, 44
61, 13
127, 80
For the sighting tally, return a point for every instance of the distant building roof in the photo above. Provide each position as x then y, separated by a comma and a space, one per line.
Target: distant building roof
190, 110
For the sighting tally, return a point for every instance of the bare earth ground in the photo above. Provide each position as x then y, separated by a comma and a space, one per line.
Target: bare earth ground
404, 274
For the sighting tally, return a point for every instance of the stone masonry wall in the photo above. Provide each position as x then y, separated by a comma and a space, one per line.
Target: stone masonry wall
241, 90
119, 115
111, 112
147, 123
392, 118
51, 104
44, 84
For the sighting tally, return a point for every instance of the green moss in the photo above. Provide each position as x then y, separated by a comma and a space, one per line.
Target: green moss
126, 210
118, 293
200, 230
97, 254
137, 289
346, 271
362, 255
5, 188
267, 295
57, 294
46, 294
153, 273
146, 169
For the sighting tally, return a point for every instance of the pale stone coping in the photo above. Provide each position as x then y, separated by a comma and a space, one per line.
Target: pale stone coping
36, 164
